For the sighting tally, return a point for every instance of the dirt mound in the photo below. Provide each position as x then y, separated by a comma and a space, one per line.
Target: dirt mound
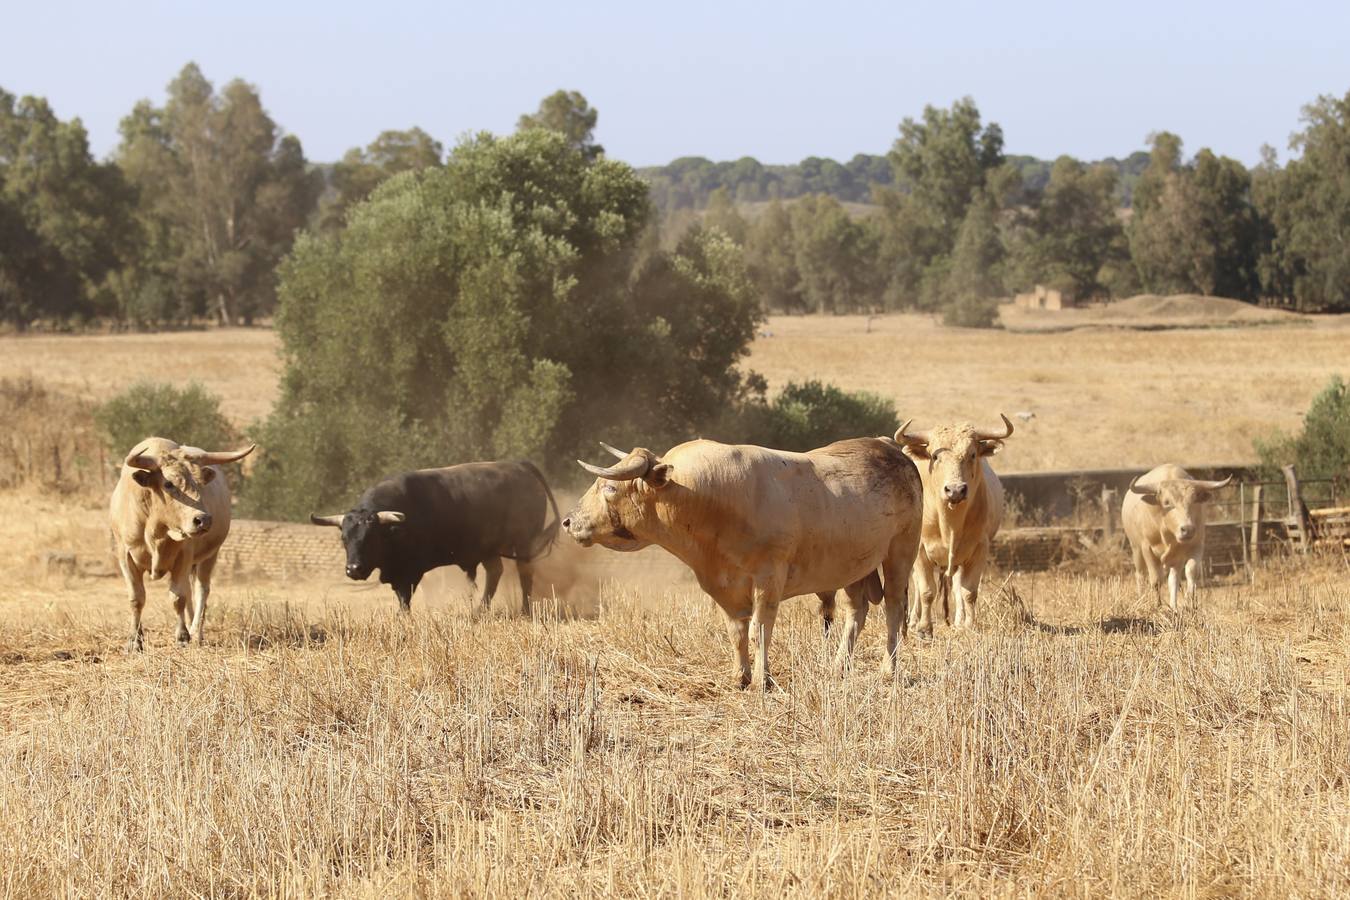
1149, 312
1192, 306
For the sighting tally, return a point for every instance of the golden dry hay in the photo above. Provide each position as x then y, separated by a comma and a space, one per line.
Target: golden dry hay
1082, 744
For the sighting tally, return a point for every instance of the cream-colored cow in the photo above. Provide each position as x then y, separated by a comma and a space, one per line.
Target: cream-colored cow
1164, 518
170, 512
758, 526
962, 509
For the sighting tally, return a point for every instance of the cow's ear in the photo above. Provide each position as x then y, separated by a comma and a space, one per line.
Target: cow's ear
208, 474
658, 476
145, 478
989, 448
916, 451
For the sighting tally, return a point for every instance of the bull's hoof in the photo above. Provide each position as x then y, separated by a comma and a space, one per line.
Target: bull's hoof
184, 636
742, 680
135, 644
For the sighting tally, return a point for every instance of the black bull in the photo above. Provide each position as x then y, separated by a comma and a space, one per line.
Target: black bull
467, 515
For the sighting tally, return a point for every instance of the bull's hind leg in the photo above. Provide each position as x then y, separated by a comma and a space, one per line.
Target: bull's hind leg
135, 580
827, 609
855, 617
492, 569
896, 570
526, 576
201, 592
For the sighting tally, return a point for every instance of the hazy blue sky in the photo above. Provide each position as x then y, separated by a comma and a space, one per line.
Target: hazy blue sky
778, 81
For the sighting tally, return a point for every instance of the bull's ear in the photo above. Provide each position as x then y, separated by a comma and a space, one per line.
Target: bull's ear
1203, 496
145, 478
917, 452
658, 476
1150, 498
989, 448
208, 475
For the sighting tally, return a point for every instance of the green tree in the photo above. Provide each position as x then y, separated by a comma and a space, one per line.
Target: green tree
835, 256
940, 164
223, 188
1322, 448
63, 216
1307, 205
973, 283
771, 259
812, 414
1194, 228
360, 171
491, 308
723, 215
1074, 240
569, 114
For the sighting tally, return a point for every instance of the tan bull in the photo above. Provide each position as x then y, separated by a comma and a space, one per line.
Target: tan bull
170, 512
1164, 517
757, 526
962, 510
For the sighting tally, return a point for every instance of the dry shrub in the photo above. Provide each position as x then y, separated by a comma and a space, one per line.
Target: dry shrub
49, 440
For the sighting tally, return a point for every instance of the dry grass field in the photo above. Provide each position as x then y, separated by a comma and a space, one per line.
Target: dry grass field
1102, 396
1084, 743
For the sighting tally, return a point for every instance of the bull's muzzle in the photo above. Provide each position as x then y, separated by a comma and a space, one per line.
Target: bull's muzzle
356, 573
955, 493
1185, 532
577, 530
201, 523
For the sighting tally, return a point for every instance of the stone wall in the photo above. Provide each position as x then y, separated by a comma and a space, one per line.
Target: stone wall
281, 549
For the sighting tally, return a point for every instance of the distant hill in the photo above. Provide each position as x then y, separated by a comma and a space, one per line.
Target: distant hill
689, 181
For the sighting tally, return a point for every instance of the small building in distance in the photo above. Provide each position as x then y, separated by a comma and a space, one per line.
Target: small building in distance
1042, 297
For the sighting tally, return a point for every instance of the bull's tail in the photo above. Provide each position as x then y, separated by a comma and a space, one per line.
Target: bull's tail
550, 534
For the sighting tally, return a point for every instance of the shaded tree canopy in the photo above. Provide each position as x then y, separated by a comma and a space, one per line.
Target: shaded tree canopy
222, 190
567, 113
496, 307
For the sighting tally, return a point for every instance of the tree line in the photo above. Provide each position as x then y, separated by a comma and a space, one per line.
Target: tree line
205, 195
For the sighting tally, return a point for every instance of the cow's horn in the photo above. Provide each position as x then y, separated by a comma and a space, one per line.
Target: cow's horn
1214, 485
137, 459
216, 457
635, 468
1137, 488
615, 451
904, 436
985, 434
388, 517
334, 521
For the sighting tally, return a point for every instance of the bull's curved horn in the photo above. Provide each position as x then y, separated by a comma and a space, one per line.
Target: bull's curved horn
1137, 488
333, 521
216, 457
635, 468
138, 459
614, 451
1214, 485
904, 436
985, 434
389, 517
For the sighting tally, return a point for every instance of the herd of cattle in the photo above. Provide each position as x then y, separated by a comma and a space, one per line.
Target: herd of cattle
867, 516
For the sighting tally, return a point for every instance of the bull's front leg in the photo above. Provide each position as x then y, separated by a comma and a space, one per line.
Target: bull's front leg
201, 592
1173, 577
1192, 579
736, 606
180, 587
135, 581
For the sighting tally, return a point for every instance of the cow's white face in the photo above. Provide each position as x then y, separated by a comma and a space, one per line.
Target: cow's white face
614, 511
951, 459
176, 489
1182, 506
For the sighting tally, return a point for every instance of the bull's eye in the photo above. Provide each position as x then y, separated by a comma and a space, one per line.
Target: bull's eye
610, 490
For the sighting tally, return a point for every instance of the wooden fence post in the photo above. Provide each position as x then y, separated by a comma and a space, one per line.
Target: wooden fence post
1297, 519
1256, 526
1108, 512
